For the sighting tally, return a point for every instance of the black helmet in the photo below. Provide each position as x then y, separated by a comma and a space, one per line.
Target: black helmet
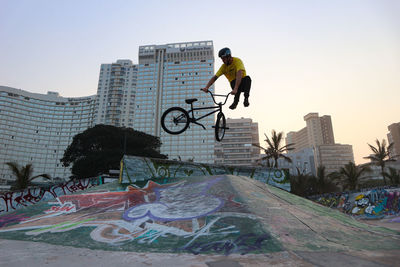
224, 52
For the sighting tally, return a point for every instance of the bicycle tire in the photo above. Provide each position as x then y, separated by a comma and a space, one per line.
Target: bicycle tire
181, 118
220, 126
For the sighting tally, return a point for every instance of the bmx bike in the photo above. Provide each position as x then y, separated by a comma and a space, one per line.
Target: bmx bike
176, 120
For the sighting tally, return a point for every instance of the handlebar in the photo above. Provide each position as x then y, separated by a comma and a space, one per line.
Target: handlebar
213, 98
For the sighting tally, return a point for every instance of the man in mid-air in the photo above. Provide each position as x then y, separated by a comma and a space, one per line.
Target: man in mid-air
234, 71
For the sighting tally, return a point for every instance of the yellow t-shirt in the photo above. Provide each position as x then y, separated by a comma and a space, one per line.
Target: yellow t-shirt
231, 70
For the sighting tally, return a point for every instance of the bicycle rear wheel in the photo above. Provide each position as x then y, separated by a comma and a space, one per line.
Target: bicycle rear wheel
175, 120
220, 126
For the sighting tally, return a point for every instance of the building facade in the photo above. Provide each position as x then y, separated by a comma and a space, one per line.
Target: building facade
394, 137
302, 162
115, 100
318, 131
37, 128
236, 148
333, 156
167, 75
318, 136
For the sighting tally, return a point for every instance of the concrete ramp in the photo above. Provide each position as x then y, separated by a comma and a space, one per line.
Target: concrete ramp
220, 220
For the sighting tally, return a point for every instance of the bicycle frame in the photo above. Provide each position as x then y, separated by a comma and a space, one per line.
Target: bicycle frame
218, 108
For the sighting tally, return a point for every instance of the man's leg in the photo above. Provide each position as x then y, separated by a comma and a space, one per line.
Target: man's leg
237, 95
246, 82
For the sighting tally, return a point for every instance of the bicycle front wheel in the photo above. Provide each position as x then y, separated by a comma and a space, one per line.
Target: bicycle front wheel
220, 127
175, 120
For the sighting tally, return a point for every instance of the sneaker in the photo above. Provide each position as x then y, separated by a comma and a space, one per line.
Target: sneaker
233, 106
246, 102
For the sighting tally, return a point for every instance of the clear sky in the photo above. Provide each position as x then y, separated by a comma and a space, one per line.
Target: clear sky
338, 58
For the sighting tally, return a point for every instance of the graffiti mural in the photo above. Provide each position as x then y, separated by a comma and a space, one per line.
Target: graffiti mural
11, 201
374, 204
134, 169
199, 215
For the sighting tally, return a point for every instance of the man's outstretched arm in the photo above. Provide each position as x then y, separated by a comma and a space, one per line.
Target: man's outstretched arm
210, 82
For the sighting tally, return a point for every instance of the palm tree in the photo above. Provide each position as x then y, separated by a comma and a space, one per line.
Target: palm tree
349, 175
380, 155
267, 157
275, 149
393, 175
23, 175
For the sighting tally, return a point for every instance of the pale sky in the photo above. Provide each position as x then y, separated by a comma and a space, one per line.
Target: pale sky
339, 58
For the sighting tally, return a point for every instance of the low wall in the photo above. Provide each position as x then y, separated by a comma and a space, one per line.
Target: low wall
371, 204
134, 169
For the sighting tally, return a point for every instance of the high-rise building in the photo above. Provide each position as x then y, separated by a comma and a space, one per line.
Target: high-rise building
236, 148
116, 94
318, 131
394, 137
37, 128
318, 135
167, 75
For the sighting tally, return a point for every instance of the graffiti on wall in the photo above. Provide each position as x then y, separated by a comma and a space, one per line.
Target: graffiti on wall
10, 201
375, 203
136, 169
196, 216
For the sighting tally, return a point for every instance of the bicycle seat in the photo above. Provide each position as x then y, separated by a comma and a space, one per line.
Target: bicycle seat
190, 100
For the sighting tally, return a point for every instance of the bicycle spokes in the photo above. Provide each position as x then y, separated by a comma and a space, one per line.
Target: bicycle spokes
179, 119
220, 127
175, 120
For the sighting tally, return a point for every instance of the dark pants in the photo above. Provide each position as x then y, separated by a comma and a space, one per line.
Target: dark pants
244, 86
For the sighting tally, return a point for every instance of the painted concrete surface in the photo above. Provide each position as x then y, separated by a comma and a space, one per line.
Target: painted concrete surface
376, 203
10, 201
219, 220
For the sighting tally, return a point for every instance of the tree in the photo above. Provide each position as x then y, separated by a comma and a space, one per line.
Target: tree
275, 150
380, 155
324, 184
101, 148
302, 184
349, 175
23, 175
393, 175
267, 157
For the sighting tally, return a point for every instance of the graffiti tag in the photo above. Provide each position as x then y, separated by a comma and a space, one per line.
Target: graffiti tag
243, 245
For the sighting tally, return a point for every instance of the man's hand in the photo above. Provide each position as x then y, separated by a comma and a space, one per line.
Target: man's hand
234, 92
205, 90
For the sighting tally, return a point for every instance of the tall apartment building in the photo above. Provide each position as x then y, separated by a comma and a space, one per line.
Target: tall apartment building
394, 137
318, 131
236, 148
116, 94
318, 135
37, 128
167, 75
